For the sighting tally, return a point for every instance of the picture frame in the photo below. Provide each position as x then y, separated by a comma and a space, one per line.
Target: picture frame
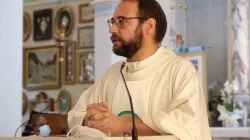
64, 22
41, 69
85, 13
85, 37
42, 24
26, 26
198, 59
69, 62
63, 101
85, 67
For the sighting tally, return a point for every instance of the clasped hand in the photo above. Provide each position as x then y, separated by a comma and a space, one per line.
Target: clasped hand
100, 117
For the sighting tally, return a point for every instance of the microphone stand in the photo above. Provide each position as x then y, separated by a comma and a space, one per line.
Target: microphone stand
134, 130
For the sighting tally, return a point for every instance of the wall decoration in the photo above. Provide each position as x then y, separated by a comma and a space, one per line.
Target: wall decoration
86, 13
68, 66
26, 26
64, 22
41, 68
43, 24
85, 67
86, 37
25, 103
42, 103
199, 61
64, 101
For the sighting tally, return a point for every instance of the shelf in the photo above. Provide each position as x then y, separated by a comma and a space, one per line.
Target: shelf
230, 132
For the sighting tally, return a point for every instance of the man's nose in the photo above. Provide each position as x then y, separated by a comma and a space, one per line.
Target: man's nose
113, 29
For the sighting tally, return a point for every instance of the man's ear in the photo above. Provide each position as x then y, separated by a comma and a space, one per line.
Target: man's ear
150, 26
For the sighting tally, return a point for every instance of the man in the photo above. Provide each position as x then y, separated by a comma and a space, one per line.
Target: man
166, 93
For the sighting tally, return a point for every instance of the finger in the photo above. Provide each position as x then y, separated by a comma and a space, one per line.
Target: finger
91, 106
103, 108
91, 112
105, 130
99, 116
100, 125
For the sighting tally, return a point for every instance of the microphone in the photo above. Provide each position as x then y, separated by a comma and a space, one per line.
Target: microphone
61, 99
134, 130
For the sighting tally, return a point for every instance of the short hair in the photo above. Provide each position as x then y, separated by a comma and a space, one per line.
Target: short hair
152, 9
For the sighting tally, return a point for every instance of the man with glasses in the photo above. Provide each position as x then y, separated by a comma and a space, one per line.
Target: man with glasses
166, 93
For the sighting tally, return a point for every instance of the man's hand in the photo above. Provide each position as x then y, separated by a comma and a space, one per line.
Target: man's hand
97, 111
112, 123
100, 117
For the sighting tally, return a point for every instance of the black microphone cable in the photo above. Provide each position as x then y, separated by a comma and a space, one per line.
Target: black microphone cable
38, 112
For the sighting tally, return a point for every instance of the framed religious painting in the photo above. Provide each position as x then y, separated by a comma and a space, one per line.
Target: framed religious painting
198, 59
41, 68
42, 24
85, 70
68, 65
63, 101
85, 13
64, 22
85, 37
26, 26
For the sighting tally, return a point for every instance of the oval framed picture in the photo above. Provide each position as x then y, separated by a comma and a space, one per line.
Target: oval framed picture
26, 26
25, 103
63, 101
64, 22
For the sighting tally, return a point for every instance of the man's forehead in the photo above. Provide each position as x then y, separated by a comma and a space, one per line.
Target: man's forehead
126, 8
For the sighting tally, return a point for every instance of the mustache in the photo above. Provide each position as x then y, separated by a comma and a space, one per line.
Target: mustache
115, 37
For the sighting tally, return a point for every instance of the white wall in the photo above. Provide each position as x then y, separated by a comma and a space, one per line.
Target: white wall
11, 66
207, 26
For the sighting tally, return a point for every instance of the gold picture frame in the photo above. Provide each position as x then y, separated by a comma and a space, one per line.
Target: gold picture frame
85, 37
69, 61
26, 26
85, 70
64, 22
85, 13
41, 69
199, 61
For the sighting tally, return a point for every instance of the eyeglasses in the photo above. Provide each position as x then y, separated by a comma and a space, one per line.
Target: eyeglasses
120, 20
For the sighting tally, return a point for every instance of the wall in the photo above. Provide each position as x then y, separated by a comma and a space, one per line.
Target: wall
204, 28
11, 66
76, 89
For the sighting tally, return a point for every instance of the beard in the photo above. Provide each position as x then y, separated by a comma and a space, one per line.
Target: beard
127, 48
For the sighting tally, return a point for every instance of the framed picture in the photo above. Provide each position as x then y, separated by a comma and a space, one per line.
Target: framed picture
85, 67
41, 68
64, 22
86, 37
199, 61
86, 13
26, 26
68, 65
43, 24
63, 101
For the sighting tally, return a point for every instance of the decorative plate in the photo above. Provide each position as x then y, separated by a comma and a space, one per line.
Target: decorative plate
25, 103
64, 22
26, 26
63, 101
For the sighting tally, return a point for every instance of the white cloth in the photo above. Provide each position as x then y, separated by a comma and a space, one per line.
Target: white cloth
166, 94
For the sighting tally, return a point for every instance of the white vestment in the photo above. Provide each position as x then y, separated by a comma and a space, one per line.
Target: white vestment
166, 95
